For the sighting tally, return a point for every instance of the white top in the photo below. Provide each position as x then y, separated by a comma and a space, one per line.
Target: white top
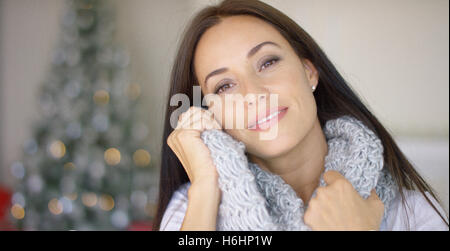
421, 216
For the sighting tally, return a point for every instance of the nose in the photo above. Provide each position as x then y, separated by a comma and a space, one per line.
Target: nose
254, 92
256, 96
256, 102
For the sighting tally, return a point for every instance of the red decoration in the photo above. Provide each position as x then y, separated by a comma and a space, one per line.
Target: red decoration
5, 204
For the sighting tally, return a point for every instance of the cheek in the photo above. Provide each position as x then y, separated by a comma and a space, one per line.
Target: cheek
296, 80
217, 111
231, 114
298, 90
304, 108
224, 114
217, 107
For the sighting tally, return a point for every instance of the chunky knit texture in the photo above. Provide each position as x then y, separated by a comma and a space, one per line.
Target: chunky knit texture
254, 199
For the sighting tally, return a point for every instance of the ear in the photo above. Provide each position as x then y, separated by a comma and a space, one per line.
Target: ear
311, 72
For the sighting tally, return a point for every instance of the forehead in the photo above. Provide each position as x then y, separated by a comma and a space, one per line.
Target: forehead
231, 40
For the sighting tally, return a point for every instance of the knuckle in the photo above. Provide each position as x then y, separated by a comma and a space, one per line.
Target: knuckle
182, 134
176, 135
171, 140
309, 217
312, 203
320, 191
187, 134
209, 113
193, 109
339, 182
343, 184
181, 116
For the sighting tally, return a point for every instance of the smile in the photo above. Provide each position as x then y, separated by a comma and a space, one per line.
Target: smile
266, 122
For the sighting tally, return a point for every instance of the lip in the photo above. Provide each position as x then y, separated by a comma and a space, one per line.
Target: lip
265, 125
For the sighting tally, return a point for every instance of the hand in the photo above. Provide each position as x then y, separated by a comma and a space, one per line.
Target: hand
186, 143
338, 206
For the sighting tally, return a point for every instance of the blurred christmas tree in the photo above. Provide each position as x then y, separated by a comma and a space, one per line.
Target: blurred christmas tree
85, 167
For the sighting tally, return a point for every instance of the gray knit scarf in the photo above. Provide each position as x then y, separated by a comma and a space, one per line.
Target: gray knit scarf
253, 199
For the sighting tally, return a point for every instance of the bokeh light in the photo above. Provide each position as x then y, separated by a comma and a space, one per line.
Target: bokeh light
112, 156
141, 158
101, 97
72, 196
55, 206
57, 149
89, 199
106, 202
17, 211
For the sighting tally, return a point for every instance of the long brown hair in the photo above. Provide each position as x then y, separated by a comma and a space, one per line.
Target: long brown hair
334, 97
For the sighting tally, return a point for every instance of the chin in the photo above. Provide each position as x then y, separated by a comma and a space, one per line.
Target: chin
267, 149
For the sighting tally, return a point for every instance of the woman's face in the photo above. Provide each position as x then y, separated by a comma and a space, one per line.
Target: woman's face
274, 68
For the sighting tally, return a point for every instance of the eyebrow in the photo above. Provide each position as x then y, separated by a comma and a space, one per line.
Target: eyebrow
250, 54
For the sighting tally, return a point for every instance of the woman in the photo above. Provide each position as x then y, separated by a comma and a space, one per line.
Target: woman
248, 47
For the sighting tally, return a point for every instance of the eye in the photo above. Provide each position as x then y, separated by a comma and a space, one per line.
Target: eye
222, 88
269, 63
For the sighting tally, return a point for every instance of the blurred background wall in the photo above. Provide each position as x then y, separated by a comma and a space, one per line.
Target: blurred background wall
394, 53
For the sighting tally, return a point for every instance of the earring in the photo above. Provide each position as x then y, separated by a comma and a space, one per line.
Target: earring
313, 88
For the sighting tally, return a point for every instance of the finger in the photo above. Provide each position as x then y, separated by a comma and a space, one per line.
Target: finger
209, 121
195, 112
331, 176
213, 120
190, 117
202, 121
187, 114
209, 113
373, 196
186, 117
181, 119
200, 124
216, 124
